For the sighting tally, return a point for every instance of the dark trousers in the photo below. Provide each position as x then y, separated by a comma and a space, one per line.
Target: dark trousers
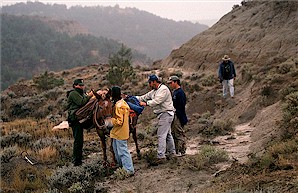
179, 136
77, 131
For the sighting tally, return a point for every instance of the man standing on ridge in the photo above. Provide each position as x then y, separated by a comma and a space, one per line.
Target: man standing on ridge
160, 99
227, 75
75, 100
180, 119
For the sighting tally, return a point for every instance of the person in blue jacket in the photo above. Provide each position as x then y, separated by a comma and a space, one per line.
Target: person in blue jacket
227, 75
180, 118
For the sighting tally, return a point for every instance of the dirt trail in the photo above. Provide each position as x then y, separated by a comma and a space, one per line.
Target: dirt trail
236, 144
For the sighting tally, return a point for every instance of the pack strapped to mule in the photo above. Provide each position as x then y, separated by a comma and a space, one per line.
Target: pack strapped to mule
134, 104
86, 111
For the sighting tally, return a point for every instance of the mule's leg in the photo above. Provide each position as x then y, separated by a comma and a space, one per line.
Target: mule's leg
133, 130
112, 152
102, 137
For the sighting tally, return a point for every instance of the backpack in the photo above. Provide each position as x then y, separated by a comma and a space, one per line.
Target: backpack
134, 104
227, 70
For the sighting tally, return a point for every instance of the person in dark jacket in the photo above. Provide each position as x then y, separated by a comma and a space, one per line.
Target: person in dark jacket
75, 100
180, 119
227, 75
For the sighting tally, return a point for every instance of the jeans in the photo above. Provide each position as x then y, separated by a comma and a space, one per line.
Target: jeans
228, 84
165, 138
122, 155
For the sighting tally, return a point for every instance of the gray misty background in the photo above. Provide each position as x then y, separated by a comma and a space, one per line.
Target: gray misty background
203, 11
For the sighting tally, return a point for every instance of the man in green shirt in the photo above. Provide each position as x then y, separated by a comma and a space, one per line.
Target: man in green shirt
75, 100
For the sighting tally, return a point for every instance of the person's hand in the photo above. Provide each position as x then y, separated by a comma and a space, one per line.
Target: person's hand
108, 123
143, 103
90, 94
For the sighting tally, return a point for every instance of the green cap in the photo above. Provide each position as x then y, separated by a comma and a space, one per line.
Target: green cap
78, 82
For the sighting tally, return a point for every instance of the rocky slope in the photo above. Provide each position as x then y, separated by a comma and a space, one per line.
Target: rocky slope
258, 32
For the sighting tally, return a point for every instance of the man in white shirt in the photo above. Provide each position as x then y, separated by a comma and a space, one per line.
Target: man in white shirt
160, 99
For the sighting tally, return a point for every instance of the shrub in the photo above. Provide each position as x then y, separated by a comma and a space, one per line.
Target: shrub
8, 153
28, 178
64, 177
76, 187
121, 174
47, 81
54, 93
177, 73
99, 187
61, 147
214, 155
206, 115
290, 120
21, 139
267, 91
209, 80
246, 73
26, 106
150, 156
193, 88
218, 127
276, 153
286, 91
208, 156
286, 67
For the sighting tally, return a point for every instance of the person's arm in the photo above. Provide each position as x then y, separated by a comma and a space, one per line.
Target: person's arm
119, 116
78, 99
159, 97
220, 77
233, 70
181, 99
145, 97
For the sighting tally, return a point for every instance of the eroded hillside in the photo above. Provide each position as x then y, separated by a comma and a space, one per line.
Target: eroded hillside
261, 33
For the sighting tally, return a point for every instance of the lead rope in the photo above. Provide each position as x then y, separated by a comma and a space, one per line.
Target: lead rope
95, 117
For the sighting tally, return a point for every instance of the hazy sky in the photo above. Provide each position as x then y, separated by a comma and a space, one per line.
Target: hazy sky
178, 10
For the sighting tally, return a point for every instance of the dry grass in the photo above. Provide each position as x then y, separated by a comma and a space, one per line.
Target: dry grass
28, 178
48, 155
37, 128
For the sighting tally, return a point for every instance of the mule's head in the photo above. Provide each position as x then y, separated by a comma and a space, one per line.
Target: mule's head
105, 106
104, 94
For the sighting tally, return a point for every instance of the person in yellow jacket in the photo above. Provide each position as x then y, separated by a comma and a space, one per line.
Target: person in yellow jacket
120, 131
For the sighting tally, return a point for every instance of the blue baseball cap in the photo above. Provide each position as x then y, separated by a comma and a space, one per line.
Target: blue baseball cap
153, 77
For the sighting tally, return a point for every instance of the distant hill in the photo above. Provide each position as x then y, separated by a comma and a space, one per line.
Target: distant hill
147, 33
31, 45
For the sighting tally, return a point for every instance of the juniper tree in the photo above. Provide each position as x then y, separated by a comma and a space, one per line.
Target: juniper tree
120, 66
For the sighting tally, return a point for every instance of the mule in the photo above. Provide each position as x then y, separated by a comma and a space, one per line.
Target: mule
95, 112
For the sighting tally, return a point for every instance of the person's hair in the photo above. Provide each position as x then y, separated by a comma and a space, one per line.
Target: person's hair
116, 93
178, 82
